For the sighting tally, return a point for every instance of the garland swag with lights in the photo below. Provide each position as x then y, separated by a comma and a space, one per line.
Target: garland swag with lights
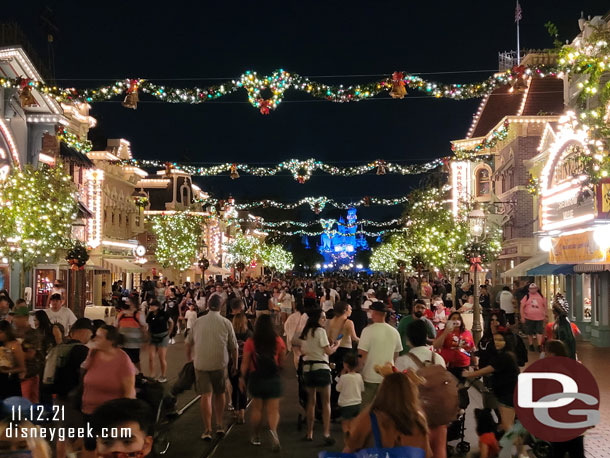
179, 241
301, 170
278, 82
317, 204
37, 208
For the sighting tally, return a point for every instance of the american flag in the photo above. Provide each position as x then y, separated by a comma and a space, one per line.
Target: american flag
518, 12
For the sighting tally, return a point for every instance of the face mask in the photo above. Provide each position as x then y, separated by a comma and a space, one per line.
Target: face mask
138, 454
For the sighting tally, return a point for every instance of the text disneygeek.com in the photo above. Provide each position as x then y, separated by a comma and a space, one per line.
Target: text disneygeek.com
61, 433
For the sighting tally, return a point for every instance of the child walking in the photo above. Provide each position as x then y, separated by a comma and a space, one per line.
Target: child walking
190, 316
350, 388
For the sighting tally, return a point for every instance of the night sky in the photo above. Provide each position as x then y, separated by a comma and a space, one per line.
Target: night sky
212, 41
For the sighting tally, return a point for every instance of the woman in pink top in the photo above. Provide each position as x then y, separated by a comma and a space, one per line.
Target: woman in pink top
533, 315
110, 374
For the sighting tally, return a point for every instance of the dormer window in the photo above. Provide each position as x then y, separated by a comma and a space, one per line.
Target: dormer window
483, 181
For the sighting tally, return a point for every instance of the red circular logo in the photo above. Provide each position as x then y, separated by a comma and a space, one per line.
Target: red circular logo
557, 399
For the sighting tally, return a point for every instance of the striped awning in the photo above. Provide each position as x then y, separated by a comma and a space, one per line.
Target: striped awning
587, 268
551, 269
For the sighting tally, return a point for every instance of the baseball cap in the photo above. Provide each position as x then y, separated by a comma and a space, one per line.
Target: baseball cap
379, 307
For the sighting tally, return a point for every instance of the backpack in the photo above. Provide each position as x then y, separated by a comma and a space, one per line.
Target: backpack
439, 393
56, 359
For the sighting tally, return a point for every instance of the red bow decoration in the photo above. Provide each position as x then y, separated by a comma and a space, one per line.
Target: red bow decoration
476, 262
264, 106
398, 86
234, 174
24, 82
518, 70
381, 167
366, 201
133, 86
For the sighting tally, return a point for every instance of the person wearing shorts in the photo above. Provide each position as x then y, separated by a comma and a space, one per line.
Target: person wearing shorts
210, 345
533, 315
160, 326
350, 387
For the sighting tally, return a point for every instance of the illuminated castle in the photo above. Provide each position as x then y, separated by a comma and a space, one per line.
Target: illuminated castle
339, 245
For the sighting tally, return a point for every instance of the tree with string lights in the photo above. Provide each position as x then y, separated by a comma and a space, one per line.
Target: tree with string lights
179, 240
37, 208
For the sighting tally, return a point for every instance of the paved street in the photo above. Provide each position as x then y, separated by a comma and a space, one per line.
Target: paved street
186, 429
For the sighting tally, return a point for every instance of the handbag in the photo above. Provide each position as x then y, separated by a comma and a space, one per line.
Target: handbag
404, 451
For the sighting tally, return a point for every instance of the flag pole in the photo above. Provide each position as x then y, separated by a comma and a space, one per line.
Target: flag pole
518, 46
518, 15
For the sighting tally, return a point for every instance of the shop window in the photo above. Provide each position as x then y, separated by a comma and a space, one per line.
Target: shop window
597, 297
483, 182
586, 297
127, 221
44, 284
112, 219
120, 219
105, 216
138, 221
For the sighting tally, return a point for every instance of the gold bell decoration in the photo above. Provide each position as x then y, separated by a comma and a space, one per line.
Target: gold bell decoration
234, 174
26, 98
398, 90
131, 99
381, 167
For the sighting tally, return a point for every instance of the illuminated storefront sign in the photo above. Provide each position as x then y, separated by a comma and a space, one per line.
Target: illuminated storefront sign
460, 183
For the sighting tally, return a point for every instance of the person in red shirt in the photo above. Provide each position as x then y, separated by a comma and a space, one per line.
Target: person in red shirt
455, 343
263, 357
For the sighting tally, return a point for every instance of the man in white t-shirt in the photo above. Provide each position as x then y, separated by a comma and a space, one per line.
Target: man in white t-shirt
505, 298
417, 337
371, 297
379, 344
59, 314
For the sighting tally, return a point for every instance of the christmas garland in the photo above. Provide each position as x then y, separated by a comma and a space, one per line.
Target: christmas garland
322, 222
316, 204
489, 142
301, 170
277, 83
333, 232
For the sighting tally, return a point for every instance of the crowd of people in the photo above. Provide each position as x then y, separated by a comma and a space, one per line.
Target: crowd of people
342, 332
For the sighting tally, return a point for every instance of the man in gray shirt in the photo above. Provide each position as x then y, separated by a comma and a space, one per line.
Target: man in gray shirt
209, 346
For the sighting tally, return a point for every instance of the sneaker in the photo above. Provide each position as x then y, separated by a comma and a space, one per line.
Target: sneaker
207, 436
220, 432
162, 379
275, 442
230, 407
329, 440
255, 440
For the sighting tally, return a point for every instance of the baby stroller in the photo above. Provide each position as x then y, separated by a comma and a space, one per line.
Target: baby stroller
335, 411
153, 393
456, 431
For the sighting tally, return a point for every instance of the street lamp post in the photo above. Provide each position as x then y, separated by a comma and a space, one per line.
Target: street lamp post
476, 220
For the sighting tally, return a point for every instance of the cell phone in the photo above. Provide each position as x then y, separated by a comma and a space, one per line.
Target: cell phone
340, 336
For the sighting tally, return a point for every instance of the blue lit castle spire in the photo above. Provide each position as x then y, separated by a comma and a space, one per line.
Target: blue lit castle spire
339, 245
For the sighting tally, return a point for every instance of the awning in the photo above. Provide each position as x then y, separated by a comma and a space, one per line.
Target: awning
71, 153
125, 266
552, 269
83, 211
586, 268
214, 270
97, 270
520, 270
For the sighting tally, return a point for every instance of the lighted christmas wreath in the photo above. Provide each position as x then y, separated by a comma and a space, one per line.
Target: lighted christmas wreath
77, 256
